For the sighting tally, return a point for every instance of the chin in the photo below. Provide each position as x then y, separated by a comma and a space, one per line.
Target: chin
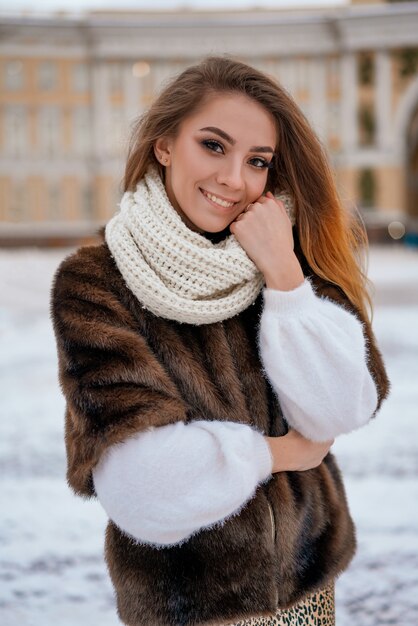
215, 229
217, 235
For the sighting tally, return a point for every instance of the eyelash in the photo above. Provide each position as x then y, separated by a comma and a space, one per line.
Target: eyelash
265, 165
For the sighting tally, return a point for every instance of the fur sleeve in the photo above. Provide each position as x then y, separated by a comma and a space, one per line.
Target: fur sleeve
113, 385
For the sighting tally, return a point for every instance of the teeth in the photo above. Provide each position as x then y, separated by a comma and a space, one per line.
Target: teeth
218, 200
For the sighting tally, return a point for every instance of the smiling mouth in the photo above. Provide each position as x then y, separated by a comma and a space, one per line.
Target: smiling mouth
217, 201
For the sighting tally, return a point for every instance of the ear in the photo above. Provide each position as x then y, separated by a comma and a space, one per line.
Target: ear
162, 148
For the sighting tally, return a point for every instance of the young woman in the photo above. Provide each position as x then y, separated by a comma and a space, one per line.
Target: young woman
210, 352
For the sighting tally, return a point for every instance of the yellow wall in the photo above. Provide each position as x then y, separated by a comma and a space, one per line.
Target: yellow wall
71, 198
390, 188
390, 181
104, 195
346, 179
6, 194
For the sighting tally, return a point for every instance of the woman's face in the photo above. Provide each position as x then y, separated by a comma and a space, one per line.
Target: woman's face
217, 164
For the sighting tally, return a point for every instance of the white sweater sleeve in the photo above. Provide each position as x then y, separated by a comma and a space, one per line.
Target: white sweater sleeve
163, 485
314, 355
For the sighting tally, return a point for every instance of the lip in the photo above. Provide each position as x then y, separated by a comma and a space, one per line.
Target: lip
218, 206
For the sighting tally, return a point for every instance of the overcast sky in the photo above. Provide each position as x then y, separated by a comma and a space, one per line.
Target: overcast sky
78, 5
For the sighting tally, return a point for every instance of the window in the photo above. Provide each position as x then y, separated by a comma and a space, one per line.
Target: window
115, 77
408, 62
367, 125
49, 131
55, 205
81, 130
47, 75
16, 133
302, 75
333, 74
367, 188
305, 107
118, 130
87, 202
366, 68
20, 207
80, 77
13, 75
333, 119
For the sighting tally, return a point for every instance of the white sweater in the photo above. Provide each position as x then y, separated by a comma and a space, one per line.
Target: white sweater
165, 484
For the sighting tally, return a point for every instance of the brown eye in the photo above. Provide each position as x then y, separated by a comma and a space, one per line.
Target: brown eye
263, 163
209, 143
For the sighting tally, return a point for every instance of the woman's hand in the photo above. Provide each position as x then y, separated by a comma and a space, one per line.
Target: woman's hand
294, 453
265, 233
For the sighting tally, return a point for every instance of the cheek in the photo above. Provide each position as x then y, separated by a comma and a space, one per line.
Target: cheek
193, 167
257, 187
202, 165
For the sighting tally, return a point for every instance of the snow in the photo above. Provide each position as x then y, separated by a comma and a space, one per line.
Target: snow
52, 569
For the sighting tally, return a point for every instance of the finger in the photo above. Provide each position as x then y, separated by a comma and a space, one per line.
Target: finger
276, 200
267, 198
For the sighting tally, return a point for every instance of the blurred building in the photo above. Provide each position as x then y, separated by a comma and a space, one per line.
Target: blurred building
70, 88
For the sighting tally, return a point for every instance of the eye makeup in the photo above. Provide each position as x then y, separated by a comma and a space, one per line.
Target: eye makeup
210, 144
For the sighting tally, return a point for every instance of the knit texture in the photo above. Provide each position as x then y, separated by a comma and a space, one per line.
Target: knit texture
173, 271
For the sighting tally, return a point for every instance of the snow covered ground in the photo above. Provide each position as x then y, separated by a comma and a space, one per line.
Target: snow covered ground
52, 571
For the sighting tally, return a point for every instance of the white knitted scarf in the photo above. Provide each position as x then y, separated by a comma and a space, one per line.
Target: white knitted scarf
174, 271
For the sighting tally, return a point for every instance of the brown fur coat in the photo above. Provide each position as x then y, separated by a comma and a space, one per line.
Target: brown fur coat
123, 369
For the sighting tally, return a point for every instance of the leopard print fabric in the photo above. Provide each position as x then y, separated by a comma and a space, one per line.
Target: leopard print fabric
318, 609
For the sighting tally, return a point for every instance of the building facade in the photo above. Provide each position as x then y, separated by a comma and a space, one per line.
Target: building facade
71, 87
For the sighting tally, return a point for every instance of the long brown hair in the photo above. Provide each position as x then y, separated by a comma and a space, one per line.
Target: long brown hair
333, 239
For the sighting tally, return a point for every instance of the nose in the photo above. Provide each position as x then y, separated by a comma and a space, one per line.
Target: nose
230, 175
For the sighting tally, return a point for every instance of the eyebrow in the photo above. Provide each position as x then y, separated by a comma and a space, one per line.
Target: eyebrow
224, 135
